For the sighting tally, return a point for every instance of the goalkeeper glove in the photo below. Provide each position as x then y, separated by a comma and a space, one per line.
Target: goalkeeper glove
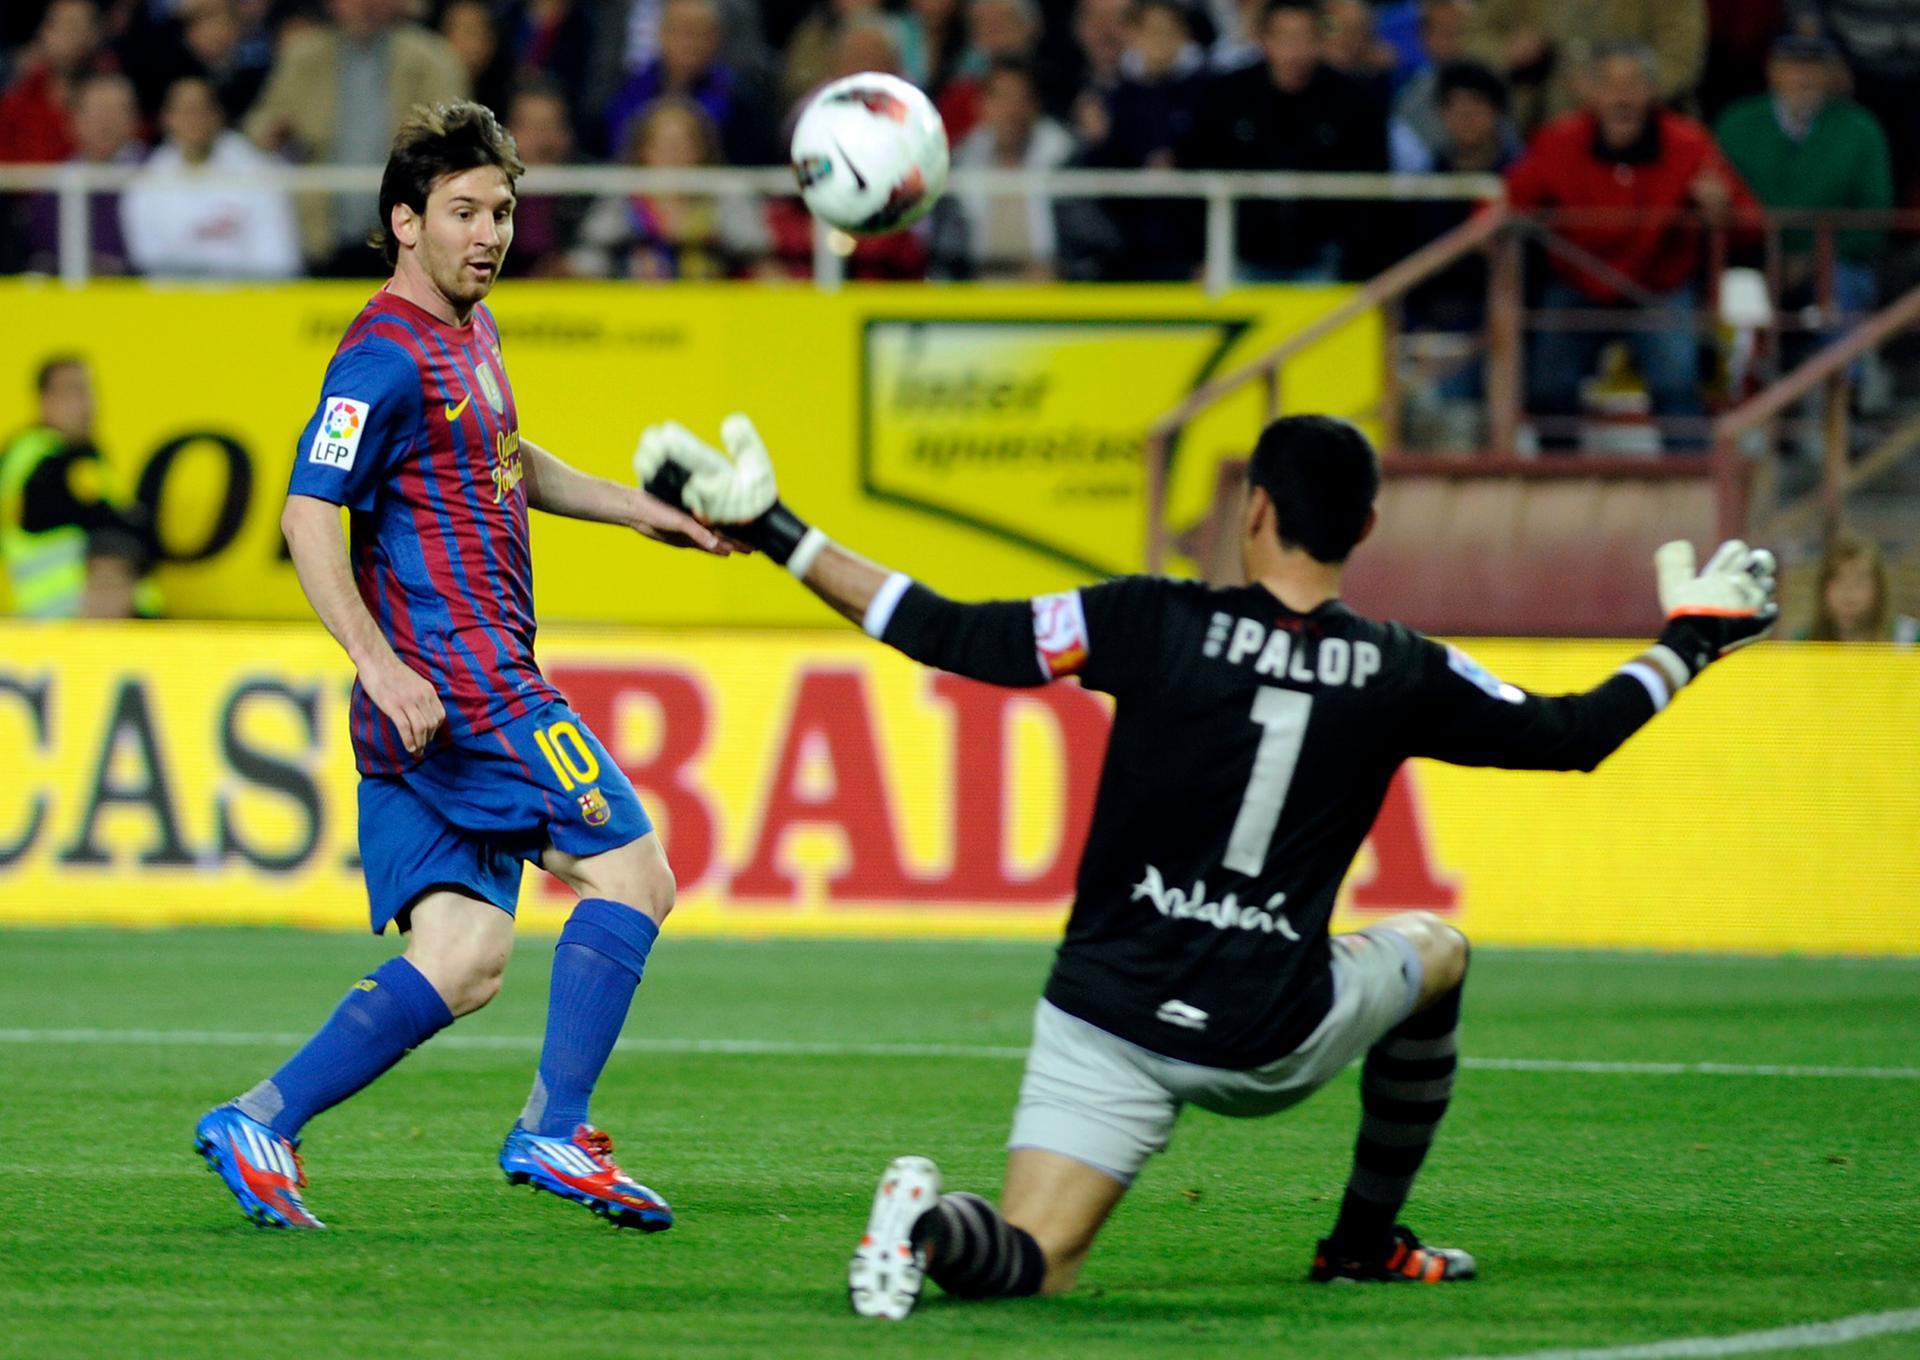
1731, 602
735, 489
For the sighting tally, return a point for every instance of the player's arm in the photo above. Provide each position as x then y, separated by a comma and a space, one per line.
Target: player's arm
1002, 642
319, 551
367, 419
559, 488
1463, 715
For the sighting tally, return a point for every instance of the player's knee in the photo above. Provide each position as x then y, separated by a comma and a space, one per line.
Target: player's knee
647, 887
1443, 951
466, 977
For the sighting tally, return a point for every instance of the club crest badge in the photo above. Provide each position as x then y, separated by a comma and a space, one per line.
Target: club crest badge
490, 386
593, 807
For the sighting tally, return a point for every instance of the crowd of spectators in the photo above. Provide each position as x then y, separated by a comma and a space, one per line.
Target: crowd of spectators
1679, 111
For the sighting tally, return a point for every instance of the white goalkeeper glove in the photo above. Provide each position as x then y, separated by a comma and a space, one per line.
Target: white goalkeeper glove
738, 492
1727, 604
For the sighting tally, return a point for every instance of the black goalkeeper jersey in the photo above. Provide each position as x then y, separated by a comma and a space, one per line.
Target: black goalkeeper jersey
1251, 749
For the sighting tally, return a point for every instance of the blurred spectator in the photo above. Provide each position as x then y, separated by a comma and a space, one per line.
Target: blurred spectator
1416, 110
1739, 33
71, 549
690, 66
1291, 112
561, 40
335, 95
1236, 43
470, 30
998, 31
1629, 175
1800, 146
1004, 236
1471, 131
546, 227
742, 24
35, 119
204, 40
1350, 46
106, 132
1142, 125
1542, 47
1880, 40
1853, 603
932, 37
810, 54
866, 45
182, 219
672, 236
1101, 35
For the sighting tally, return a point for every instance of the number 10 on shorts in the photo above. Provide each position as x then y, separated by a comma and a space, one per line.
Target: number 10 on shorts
567, 752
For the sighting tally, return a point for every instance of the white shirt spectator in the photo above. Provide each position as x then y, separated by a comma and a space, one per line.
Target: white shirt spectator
183, 220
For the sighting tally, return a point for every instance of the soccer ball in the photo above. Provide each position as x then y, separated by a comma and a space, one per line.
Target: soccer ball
870, 154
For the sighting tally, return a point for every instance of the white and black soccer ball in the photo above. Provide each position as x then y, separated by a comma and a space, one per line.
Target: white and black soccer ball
870, 153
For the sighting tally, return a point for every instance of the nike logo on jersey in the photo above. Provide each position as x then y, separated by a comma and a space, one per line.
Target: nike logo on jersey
455, 412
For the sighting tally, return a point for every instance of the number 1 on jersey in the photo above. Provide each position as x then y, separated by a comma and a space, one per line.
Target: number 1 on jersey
1282, 714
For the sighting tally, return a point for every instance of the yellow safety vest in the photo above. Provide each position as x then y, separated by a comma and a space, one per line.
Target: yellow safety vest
46, 571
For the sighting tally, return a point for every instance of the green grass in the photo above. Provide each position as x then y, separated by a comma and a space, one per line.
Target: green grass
1605, 1208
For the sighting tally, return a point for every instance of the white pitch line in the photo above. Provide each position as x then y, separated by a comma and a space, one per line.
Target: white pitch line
775, 1048
1805, 1336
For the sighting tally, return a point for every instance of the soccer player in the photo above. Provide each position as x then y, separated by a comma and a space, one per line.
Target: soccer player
1255, 733
470, 762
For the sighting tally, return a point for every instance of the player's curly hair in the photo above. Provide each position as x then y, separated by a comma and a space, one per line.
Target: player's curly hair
436, 141
1322, 476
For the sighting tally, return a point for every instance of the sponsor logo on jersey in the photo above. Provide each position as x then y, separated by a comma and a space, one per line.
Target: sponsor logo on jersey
1478, 675
342, 421
593, 807
1181, 1015
1060, 633
507, 471
1226, 914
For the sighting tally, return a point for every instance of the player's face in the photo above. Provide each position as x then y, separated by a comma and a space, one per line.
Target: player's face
465, 234
67, 404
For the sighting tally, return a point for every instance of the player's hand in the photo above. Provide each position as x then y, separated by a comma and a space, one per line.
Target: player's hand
736, 487
664, 521
408, 698
1727, 604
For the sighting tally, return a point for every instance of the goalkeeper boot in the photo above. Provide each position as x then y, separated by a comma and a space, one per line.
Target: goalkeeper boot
581, 1168
262, 1169
1406, 1261
889, 1268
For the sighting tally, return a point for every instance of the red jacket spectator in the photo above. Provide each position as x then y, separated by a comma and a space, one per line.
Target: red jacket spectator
1645, 197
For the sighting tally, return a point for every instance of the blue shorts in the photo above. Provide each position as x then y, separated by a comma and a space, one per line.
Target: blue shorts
470, 815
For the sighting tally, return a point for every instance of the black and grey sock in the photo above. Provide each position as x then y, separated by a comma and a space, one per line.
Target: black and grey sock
973, 1253
1404, 1090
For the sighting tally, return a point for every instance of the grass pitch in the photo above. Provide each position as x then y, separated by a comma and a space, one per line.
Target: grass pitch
1607, 1207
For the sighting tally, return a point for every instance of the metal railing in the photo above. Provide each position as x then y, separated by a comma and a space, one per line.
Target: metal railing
1220, 191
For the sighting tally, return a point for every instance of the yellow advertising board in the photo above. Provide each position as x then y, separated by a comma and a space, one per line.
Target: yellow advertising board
988, 439
816, 783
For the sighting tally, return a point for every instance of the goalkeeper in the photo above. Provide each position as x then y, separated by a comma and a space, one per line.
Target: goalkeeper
1255, 733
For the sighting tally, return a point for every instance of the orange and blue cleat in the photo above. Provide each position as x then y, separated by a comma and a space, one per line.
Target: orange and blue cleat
262, 1169
581, 1168
1407, 1261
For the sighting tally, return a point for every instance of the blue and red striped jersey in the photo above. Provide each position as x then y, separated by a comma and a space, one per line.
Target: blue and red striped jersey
417, 435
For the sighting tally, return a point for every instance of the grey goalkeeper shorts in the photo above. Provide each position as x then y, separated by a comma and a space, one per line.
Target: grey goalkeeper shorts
1110, 1104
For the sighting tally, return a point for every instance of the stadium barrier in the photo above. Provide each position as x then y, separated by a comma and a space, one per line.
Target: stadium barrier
987, 439
810, 783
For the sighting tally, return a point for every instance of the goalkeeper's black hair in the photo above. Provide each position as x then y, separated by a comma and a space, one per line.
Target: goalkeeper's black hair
434, 142
1322, 476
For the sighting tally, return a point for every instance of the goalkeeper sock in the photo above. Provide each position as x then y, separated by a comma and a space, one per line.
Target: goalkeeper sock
973, 1253
390, 1011
596, 966
1404, 1089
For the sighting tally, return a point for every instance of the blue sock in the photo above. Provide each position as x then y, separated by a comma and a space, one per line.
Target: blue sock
391, 1010
596, 966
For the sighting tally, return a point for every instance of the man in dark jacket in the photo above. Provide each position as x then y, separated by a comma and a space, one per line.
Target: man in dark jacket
1293, 112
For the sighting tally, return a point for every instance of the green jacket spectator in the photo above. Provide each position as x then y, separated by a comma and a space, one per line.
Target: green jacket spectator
1798, 147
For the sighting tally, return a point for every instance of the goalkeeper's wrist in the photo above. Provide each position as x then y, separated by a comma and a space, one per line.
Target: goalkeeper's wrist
1661, 670
786, 538
1693, 642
